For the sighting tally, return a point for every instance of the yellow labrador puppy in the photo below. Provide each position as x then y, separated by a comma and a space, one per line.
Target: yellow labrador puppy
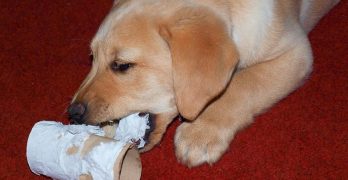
217, 63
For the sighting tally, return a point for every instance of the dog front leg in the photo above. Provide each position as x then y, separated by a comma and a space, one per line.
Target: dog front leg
251, 91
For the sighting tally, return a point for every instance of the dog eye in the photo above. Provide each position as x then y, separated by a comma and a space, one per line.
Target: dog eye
119, 67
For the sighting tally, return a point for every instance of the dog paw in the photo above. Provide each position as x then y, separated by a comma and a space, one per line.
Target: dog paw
197, 143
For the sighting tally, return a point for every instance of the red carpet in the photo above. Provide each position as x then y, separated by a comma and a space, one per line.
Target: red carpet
44, 57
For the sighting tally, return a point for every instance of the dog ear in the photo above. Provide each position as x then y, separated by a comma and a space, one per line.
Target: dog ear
203, 58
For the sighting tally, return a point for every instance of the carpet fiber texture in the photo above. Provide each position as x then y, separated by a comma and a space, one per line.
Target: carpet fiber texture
45, 56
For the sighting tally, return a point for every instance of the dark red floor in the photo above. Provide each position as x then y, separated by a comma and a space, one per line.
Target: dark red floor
45, 56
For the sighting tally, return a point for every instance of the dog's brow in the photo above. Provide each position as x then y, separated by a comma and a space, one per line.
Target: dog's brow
129, 54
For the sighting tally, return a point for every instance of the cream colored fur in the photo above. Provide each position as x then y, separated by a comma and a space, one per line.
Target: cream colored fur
218, 63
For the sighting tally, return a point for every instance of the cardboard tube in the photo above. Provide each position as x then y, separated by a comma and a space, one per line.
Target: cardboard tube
127, 165
79, 152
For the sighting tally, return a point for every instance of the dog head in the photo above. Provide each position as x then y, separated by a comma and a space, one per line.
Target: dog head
164, 59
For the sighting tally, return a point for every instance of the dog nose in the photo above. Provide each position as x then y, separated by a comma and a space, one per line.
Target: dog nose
76, 113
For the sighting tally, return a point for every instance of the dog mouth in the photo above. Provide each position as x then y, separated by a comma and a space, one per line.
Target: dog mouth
151, 123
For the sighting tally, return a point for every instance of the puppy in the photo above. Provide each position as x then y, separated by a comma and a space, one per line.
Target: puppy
217, 63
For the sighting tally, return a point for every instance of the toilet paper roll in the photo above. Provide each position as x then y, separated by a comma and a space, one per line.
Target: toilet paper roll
79, 152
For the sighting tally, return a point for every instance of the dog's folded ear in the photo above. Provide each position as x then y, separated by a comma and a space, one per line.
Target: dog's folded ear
203, 58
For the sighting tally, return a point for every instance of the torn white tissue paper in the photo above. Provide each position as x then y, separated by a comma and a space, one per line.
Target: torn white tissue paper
48, 145
133, 128
49, 142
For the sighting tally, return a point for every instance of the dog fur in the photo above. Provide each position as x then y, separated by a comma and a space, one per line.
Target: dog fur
217, 63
